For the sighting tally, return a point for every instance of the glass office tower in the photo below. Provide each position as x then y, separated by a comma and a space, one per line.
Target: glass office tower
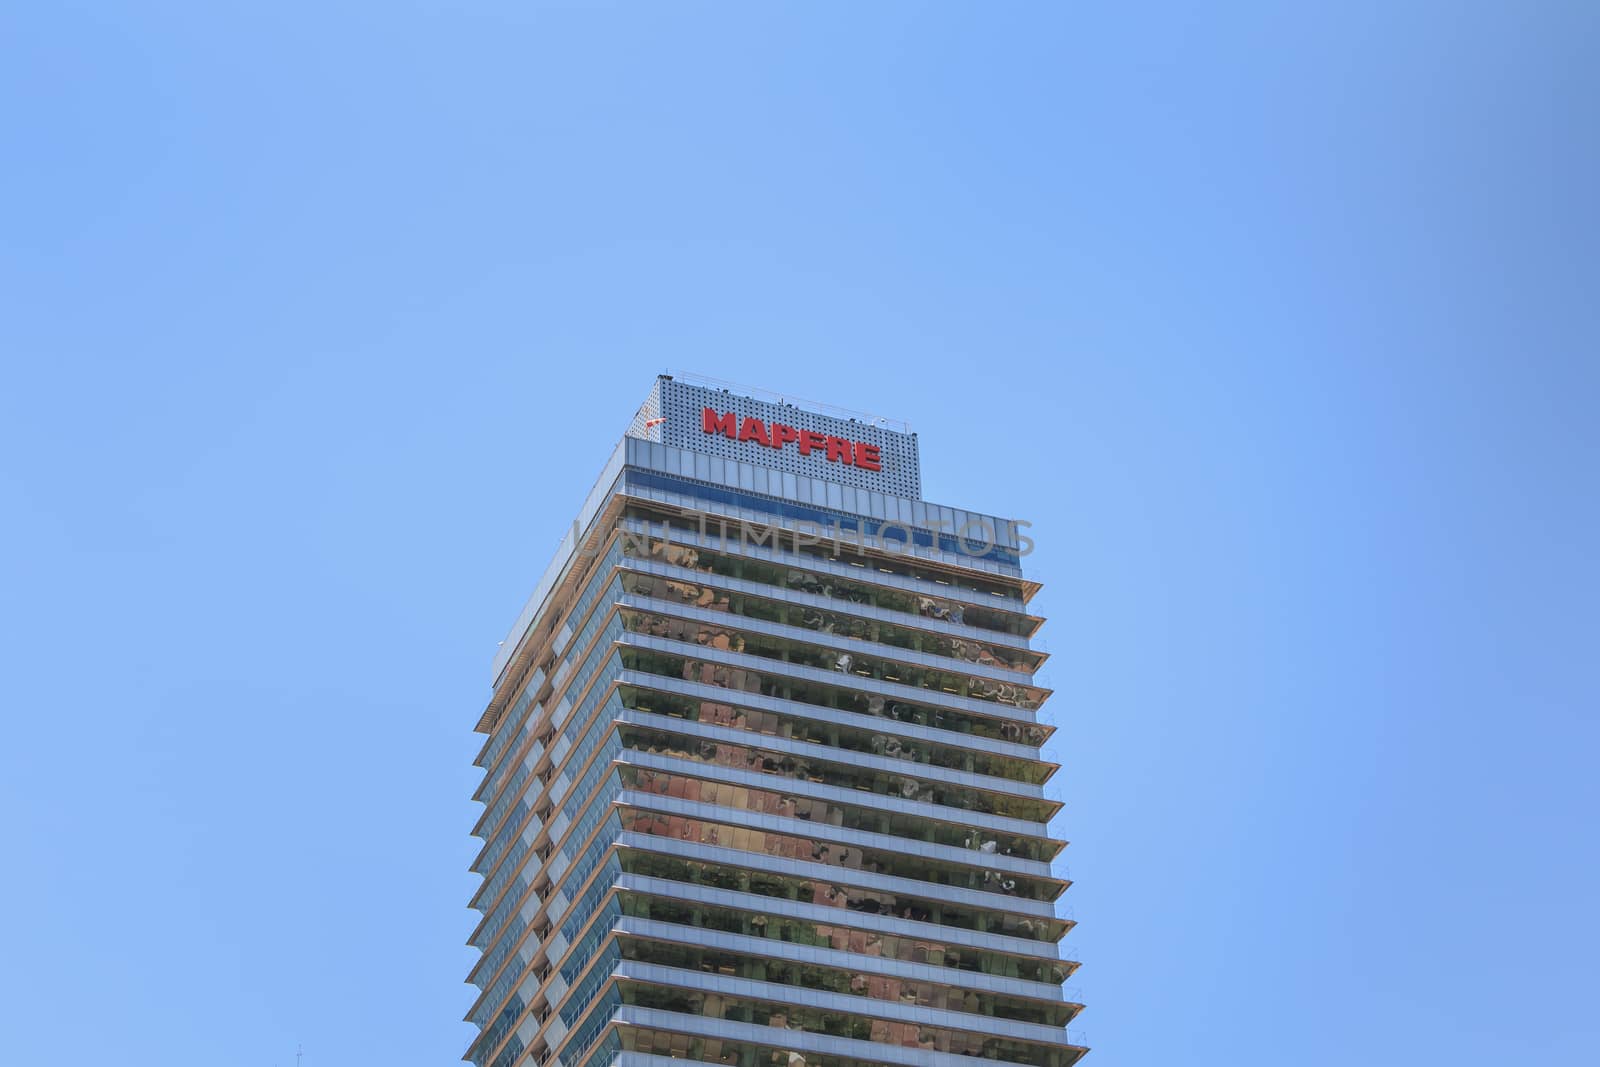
763, 782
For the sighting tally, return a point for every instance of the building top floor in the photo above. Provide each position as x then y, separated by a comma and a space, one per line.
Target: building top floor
679, 444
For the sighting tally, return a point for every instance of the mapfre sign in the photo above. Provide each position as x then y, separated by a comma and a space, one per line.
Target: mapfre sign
779, 436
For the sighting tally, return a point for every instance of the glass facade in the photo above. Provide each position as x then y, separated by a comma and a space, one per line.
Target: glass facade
762, 772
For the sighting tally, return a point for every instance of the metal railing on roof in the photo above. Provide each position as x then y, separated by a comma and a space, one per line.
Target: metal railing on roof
789, 400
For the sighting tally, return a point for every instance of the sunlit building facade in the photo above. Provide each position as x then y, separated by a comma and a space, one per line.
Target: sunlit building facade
763, 782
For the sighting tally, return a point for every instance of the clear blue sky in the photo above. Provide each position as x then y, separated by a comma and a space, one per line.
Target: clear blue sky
1281, 327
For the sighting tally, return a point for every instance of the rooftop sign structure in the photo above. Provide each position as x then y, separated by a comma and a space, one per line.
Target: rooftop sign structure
849, 448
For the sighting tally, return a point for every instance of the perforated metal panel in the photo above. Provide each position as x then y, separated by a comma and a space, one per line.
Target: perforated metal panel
647, 421
683, 405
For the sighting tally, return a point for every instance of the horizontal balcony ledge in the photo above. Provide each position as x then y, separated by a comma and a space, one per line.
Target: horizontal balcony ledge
933, 698
835, 605
848, 876
732, 735
799, 1040
921, 809
854, 645
789, 826
839, 959
878, 921
837, 567
822, 713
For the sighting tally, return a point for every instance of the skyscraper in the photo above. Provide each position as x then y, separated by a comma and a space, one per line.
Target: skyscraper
763, 782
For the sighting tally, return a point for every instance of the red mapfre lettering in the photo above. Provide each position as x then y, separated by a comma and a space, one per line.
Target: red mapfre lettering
835, 449
725, 424
754, 430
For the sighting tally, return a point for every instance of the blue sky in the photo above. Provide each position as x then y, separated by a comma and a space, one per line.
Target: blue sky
1280, 326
